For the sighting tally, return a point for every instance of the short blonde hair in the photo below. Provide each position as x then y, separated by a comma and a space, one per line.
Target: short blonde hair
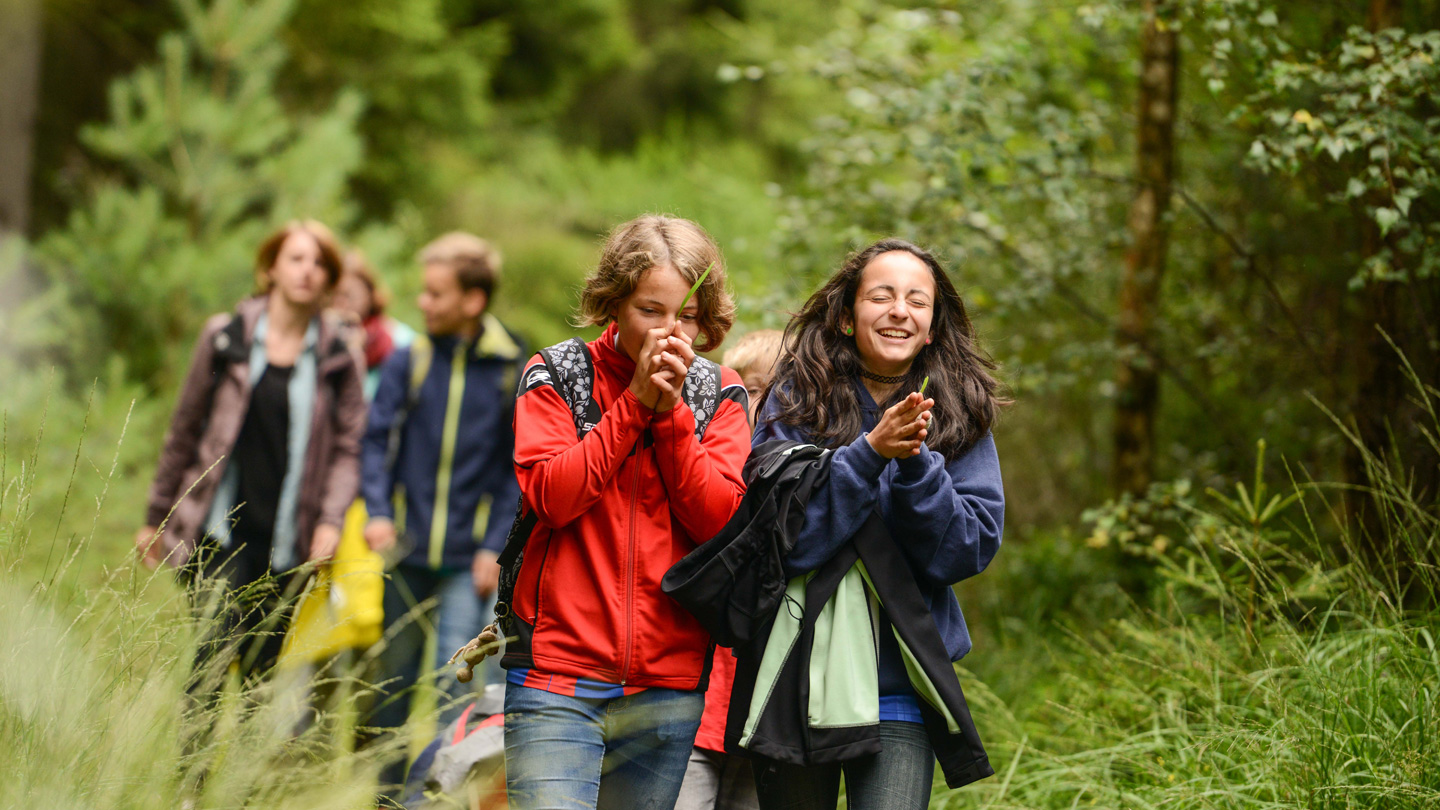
475, 261
270, 251
758, 348
652, 241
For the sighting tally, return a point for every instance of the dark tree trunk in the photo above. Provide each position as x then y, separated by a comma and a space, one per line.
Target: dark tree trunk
19, 85
1387, 423
1137, 381
1384, 14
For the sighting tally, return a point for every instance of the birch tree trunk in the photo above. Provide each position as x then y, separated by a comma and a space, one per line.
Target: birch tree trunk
1137, 381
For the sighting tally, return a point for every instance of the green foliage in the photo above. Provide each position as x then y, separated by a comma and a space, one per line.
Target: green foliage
1001, 134
1369, 107
1309, 686
207, 161
423, 69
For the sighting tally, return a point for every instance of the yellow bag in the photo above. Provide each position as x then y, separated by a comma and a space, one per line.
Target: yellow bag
345, 608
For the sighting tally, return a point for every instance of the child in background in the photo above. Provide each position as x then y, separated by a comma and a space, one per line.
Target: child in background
715, 780
440, 427
361, 296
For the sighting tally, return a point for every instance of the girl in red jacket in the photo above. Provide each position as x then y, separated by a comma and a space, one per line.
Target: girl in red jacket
604, 683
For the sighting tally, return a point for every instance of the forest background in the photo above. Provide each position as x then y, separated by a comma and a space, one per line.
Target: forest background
1197, 235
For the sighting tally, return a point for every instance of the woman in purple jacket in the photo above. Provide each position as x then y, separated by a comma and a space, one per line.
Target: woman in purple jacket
262, 456
856, 358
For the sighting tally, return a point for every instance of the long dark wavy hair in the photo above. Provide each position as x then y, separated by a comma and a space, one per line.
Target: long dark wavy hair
813, 382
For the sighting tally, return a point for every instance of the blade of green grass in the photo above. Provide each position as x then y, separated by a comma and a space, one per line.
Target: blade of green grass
696, 286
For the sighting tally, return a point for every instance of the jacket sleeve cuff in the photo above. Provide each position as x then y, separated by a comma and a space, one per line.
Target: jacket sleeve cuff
632, 404
916, 468
677, 421
155, 514
863, 459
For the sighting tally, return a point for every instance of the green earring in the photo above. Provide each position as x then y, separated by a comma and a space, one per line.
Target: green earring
849, 330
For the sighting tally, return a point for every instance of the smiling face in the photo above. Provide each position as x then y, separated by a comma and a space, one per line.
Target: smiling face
654, 303
893, 308
298, 274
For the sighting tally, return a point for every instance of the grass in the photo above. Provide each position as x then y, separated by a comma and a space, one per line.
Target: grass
1277, 661
1269, 663
102, 702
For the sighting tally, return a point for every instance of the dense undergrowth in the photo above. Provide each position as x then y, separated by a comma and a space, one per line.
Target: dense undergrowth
1277, 657
1259, 663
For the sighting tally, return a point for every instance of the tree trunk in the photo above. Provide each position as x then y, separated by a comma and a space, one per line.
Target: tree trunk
19, 85
1384, 14
1378, 405
1137, 382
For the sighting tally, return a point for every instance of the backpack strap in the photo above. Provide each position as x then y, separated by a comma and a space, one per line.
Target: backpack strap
571, 373
229, 347
422, 352
702, 393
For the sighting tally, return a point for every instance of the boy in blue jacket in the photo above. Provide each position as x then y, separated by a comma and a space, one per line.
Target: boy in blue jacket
437, 475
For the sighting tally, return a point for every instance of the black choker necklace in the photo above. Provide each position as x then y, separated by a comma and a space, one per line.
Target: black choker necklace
881, 378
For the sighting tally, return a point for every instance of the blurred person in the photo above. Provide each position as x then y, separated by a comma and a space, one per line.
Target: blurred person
629, 450
361, 296
440, 433
262, 456
715, 780
856, 357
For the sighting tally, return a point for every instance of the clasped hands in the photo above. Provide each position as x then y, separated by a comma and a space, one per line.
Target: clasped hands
665, 359
903, 427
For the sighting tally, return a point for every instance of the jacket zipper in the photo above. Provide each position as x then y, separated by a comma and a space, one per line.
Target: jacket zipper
445, 466
630, 569
539, 574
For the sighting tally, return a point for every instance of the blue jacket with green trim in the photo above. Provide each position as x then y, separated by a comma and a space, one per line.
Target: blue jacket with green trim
452, 472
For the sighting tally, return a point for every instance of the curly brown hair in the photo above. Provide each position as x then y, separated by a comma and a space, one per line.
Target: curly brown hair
813, 383
650, 241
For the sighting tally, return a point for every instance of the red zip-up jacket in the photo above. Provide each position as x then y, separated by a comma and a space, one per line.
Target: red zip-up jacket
615, 510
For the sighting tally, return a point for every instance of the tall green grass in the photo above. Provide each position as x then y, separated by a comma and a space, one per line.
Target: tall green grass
104, 702
1284, 659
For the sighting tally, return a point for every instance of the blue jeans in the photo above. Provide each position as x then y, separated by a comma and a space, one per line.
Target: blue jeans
457, 617
897, 778
625, 753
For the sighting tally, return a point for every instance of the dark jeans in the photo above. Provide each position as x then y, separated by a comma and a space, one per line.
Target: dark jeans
625, 753
251, 608
897, 778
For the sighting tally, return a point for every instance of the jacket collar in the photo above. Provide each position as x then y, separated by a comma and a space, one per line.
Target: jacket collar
608, 355
233, 342
493, 343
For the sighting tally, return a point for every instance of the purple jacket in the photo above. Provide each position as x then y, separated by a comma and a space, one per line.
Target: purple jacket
211, 410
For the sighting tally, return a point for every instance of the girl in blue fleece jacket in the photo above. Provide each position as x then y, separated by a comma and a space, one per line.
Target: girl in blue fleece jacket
855, 359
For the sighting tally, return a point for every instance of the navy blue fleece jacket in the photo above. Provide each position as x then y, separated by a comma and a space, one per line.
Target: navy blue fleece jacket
947, 519
474, 457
